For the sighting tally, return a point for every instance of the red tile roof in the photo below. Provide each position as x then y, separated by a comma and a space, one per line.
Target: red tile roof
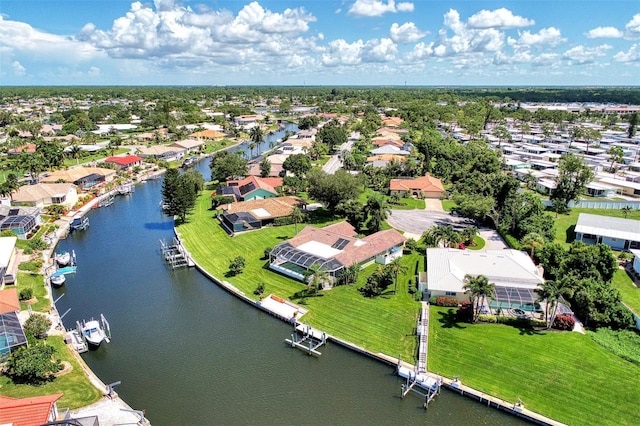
27, 411
9, 300
425, 183
125, 160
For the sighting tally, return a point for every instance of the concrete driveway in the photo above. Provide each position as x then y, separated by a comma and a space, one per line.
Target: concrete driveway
415, 222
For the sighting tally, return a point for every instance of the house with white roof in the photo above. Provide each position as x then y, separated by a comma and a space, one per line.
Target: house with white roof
618, 233
513, 273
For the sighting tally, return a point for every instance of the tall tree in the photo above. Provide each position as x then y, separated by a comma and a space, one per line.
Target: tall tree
573, 176
298, 164
633, 123
533, 241
616, 155
479, 289
257, 136
398, 268
227, 165
315, 277
377, 209
265, 167
179, 193
551, 292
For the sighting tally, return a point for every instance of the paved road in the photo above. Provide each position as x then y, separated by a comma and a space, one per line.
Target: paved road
415, 222
335, 162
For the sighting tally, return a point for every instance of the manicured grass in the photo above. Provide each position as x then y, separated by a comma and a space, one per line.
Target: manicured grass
629, 292
36, 283
409, 204
479, 243
565, 376
78, 391
99, 155
380, 324
447, 205
565, 223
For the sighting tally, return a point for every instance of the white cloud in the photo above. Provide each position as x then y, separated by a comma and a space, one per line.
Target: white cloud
632, 29
370, 8
581, 55
342, 53
631, 55
18, 69
500, 18
383, 50
547, 36
406, 33
604, 32
19, 38
465, 39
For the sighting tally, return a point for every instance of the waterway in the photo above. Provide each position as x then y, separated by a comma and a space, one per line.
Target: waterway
189, 353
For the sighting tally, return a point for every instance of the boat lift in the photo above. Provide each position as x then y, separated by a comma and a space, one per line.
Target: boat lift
307, 339
104, 324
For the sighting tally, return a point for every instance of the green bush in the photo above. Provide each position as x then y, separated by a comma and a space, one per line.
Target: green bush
37, 325
25, 294
623, 343
488, 318
30, 266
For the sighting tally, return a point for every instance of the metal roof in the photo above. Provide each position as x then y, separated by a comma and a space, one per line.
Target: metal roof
611, 227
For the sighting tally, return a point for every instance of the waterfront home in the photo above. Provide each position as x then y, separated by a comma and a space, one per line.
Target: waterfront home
189, 145
162, 152
334, 248
20, 220
45, 194
11, 332
254, 214
125, 162
84, 177
251, 188
618, 233
34, 410
513, 272
207, 135
425, 186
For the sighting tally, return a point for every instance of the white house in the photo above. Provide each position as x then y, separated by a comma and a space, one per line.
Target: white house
513, 272
616, 232
45, 194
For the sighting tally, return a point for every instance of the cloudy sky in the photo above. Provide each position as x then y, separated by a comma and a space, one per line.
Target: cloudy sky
319, 42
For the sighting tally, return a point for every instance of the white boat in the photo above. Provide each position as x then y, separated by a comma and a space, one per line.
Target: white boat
63, 258
95, 332
57, 280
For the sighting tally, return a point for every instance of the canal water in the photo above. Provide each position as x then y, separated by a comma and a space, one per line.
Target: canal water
189, 353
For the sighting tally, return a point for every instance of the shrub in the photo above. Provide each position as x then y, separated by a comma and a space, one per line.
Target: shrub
411, 245
30, 266
236, 266
465, 312
564, 322
259, 290
37, 325
266, 253
34, 364
487, 318
446, 301
624, 343
25, 294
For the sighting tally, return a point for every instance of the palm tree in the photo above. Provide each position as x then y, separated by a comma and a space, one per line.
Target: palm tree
479, 288
626, 210
257, 136
377, 209
297, 216
468, 234
397, 268
533, 241
252, 145
551, 292
315, 277
350, 274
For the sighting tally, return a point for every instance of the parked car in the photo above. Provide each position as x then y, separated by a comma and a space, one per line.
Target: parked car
519, 313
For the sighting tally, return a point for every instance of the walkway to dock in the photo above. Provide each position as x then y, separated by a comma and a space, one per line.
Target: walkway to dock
423, 335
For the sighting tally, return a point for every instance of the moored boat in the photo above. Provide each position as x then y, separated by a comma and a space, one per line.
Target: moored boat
94, 332
57, 279
63, 258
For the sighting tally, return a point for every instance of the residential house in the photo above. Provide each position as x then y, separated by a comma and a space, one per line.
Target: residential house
425, 186
20, 220
28, 148
84, 177
385, 159
207, 135
11, 332
45, 194
254, 214
391, 150
125, 162
189, 145
618, 233
162, 152
34, 410
251, 188
334, 248
513, 273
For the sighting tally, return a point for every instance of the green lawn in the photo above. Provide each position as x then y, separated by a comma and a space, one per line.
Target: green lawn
479, 243
447, 205
629, 292
380, 324
78, 391
36, 283
408, 204
565, 376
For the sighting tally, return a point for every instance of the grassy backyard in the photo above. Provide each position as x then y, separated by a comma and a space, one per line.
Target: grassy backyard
565, 223
629, 292
77, 390
36, 283
565, 376
379, 324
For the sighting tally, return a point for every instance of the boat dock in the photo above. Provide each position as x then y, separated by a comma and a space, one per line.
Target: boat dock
72, 338
423, 334
307, 339
175, 254
424, 384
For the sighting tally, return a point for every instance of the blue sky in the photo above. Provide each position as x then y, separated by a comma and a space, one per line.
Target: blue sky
319, 42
